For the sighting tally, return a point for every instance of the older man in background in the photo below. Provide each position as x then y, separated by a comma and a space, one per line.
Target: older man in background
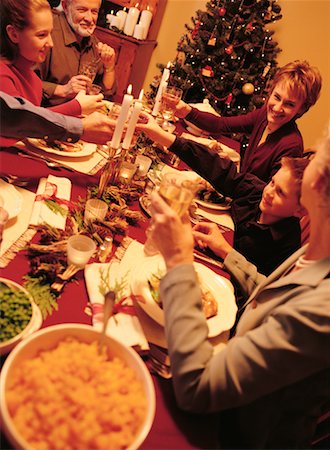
75, 46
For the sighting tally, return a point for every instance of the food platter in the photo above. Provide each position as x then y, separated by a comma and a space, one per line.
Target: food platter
87, 149
218, 286
12, 199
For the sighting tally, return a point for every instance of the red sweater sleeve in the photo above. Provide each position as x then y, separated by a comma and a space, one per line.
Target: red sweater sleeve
71, 108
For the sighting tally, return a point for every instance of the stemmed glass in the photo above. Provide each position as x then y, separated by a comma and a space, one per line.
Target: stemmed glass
89, 69
171, 96
178, 195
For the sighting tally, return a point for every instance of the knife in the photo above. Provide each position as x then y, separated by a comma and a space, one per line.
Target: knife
208, 259
50, 163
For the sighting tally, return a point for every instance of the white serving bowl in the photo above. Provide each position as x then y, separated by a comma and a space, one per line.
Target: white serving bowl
32, 326
47, 339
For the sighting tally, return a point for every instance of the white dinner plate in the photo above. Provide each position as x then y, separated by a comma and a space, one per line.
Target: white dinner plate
12, 200
220, 287
88, 149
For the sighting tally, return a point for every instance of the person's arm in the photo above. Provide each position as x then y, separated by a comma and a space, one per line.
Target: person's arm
20, 118
249, 366
219, 125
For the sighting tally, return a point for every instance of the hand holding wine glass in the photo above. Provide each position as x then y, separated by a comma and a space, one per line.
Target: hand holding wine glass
171, 96
172, 189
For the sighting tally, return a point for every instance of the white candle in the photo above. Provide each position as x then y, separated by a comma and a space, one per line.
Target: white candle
138, 31
131, 20
127, 101
143, 163
163, 83
132, 122
122, 14
145, 20
109, 18
115, 22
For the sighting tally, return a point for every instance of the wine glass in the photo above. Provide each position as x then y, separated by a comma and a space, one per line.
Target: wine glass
178, 195
171, 96
89, 69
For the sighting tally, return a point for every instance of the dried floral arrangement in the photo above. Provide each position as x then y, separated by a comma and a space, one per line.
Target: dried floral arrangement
48, 258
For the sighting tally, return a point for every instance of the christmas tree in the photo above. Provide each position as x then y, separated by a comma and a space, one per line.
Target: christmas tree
228, 55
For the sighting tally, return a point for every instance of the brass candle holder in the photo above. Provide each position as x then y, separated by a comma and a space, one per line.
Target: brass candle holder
110, 171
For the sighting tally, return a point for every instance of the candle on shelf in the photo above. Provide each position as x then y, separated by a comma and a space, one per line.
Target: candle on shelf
115, 22
122, 14
138, 31
109, 18
131, 20
137, 108
162, 85
145, 21
127, 101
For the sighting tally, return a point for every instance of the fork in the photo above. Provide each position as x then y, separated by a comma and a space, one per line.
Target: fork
15, 180
69, 272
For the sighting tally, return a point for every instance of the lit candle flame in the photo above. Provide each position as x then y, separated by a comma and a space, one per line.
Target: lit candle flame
141, 95
168, 65
129, 89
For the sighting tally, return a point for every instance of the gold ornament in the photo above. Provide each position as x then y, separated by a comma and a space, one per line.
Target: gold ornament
248, 88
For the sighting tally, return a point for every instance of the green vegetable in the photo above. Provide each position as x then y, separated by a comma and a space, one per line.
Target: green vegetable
15, 311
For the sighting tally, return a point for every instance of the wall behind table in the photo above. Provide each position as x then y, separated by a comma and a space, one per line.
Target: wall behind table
302, 33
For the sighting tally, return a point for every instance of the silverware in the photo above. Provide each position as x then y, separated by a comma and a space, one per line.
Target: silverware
52, 164
15, 180
161, 369
208, 260
109, 301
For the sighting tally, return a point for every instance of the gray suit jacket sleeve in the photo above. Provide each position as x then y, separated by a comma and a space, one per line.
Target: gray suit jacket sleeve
288, 329
243, 271
21, 119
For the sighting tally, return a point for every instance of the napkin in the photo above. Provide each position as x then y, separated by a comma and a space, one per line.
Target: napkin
16, 233
57, 188
124, 327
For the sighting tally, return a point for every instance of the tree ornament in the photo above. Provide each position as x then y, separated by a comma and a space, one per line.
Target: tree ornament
249, 27
207, 71
229, 99
195, 30
212, 41
229, 49
248, 88
266, 70
222, 11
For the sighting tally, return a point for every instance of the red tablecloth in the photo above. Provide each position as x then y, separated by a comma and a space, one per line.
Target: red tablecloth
172, 428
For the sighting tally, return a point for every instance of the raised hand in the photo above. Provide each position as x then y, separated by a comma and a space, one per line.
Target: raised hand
89, 103
171, 233
208, 234
98, 128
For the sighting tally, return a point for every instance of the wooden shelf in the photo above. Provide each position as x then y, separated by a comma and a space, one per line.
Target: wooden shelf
132, 55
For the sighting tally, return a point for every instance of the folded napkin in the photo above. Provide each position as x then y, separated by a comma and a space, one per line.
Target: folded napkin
16, 233
126, 328
57, 189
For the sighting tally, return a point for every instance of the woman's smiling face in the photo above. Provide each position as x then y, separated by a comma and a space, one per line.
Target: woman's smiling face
35, 40
283, 105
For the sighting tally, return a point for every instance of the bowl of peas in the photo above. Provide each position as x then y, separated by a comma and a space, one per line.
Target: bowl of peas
19, 315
